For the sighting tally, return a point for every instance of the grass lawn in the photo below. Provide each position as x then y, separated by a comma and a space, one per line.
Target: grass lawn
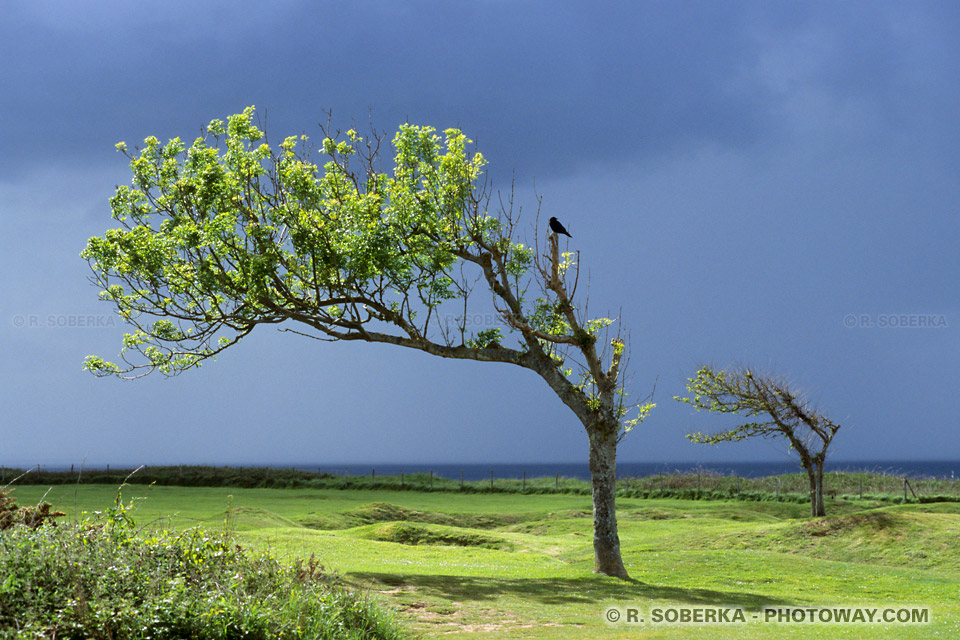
520, 566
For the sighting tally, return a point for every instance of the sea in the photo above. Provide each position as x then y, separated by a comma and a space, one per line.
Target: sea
948, 469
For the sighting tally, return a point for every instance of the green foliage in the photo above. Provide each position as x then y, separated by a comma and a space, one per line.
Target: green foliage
98, 579
486, 338
721, 392
228, 233
642, 410
548, 317
750, 394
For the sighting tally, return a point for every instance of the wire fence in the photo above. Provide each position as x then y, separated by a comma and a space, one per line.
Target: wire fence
857, 484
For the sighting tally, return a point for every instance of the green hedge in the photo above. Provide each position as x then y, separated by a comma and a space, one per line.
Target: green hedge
100, 579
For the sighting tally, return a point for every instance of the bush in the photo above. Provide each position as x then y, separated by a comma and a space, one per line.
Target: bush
99, 579
32, 517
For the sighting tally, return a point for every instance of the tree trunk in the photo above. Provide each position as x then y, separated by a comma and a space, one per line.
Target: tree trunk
821, 511
815, 473
603, 474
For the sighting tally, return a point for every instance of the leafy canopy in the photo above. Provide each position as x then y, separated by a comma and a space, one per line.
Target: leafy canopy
773, 410
230, 232
227, 234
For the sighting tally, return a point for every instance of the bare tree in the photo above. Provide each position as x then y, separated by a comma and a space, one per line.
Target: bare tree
214, 244
784, 414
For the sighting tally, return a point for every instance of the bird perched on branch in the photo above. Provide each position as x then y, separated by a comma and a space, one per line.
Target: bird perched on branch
556, 227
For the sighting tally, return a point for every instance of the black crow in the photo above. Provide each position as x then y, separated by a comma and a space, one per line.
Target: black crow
556, 227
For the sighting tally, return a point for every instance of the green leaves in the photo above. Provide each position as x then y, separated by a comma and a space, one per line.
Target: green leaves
226, 234
641, 411
751, 394
486, 338
104, 577
101, 367
548, 318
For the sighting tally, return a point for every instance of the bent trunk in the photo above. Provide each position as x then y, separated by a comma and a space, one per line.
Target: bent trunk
603, 475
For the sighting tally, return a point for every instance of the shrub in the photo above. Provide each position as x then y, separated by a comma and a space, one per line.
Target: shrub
99, 579
32, 517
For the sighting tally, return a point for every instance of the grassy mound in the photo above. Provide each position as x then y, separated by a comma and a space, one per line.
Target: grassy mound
386, 512
889, 536
99, 579
423, 534
244, 518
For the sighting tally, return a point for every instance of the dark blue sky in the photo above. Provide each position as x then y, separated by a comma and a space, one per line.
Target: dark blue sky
753, 182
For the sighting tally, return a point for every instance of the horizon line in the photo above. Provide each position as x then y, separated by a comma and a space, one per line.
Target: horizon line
369, 463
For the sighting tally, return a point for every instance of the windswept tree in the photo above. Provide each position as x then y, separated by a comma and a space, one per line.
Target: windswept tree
232, 233
779, 413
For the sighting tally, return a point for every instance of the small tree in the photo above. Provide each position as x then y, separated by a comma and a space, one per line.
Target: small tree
230, 234
787, 415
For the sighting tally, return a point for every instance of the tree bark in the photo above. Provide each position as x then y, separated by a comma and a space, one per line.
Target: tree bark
821, 510
603, 474
815, 473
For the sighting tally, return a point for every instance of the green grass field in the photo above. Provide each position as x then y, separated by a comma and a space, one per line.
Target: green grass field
520, 565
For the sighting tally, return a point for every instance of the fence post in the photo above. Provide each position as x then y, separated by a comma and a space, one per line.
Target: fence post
491, 478
904, 488
524, 486
910, 486
861, 487
373, 477
345, 481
